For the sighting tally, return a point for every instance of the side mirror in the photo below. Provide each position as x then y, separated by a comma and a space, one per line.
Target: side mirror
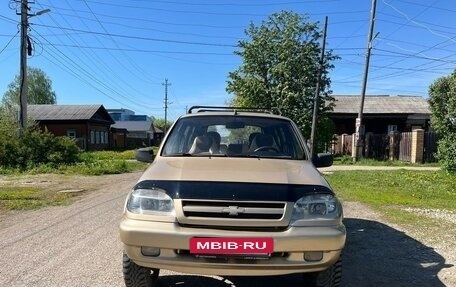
323, 160
144, 154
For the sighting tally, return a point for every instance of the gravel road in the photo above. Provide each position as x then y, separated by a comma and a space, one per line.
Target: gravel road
78, 245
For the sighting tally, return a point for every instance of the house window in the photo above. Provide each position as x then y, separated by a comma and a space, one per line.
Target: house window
392, 128
106, 137
102, 137
71, 133
97, 137
92, 136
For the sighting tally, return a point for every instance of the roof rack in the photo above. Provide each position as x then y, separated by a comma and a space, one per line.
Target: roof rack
199, 109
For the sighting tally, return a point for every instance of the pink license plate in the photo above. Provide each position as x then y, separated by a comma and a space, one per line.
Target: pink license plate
219, 245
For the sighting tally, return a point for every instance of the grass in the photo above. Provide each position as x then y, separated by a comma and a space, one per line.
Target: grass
348, 160
98, 167
109, 155
402, 188
25, 198
13, 197
92, 163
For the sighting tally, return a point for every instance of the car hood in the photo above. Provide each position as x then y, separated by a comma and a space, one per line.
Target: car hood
223, 169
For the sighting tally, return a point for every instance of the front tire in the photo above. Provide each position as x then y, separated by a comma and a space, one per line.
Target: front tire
330, 277
138, 276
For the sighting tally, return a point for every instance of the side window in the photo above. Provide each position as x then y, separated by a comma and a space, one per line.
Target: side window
180, 139
392, 128
71, 133
92, 136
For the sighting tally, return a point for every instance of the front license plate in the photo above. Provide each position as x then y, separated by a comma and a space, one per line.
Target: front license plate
219, 245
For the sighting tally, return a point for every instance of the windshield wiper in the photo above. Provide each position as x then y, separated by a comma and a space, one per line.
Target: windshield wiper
268, 156
185, 154
180, 154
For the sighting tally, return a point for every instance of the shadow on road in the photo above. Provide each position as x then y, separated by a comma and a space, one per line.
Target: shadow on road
375, 255
378, 255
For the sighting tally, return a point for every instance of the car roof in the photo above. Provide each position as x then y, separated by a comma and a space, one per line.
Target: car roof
233, 113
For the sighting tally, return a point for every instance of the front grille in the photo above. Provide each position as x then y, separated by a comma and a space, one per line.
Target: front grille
233, 209
240, 228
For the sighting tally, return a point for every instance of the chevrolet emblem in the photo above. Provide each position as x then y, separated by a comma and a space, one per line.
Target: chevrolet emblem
233, 210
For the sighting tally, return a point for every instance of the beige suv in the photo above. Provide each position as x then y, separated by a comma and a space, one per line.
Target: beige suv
233, 192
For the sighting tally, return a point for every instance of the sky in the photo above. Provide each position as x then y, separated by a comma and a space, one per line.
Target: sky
120, 53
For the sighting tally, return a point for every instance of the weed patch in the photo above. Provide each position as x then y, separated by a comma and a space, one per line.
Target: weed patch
25, 198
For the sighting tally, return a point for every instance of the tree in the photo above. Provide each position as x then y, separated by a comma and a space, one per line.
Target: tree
39, 90
280, 68
160, 123
442, 102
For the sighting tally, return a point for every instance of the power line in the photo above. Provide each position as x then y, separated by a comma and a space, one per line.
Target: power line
108, 73
416, 22
432, 6
148, 20
416, 56
138, 37
143, 50
117, 23
239, 4
88, 76
9, 42
142, 8
130, 60
105, 76
8, 19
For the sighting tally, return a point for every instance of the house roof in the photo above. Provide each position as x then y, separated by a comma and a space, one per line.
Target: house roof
65, 112
382, 104
134, 125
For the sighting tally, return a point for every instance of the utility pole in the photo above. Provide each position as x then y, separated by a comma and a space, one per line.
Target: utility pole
166, 84
317, 92
358, 131
26, 48
23, 69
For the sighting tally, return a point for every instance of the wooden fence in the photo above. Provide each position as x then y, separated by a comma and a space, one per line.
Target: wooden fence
395, 146
405, 146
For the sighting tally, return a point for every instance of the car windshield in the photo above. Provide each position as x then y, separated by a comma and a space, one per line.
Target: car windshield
234, 136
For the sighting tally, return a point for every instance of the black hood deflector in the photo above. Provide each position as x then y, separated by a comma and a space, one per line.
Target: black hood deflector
245, 191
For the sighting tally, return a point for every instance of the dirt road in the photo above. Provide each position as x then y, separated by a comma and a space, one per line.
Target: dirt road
78, 245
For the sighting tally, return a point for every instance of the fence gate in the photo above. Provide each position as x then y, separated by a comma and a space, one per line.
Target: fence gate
377, 146
430, 146
405, 146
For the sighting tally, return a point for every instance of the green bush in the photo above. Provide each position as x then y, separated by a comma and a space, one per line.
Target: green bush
447, 152
442, 102
35, 148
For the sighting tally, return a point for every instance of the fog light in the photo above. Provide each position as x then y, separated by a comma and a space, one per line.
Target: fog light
150, 251
313, 255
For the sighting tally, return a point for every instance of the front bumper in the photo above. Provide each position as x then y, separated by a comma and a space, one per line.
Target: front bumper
173, 241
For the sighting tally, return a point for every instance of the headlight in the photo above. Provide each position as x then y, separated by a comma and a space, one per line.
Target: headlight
150, 201
316, 207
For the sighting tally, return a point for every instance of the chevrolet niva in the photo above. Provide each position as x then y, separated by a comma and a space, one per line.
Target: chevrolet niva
233, 192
